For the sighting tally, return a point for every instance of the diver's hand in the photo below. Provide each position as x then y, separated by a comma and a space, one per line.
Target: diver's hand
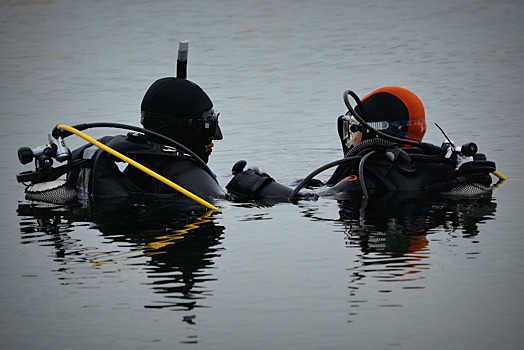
247, 182
255, 184
238, 167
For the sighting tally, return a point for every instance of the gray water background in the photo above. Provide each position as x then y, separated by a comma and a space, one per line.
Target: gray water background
284, 276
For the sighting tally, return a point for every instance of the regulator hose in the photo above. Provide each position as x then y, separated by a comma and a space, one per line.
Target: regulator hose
154, 136
374, 142
308, 178
365, 195
137, 165
366, 145
353, 154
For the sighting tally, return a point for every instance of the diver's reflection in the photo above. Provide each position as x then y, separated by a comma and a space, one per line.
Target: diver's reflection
402, 217
177, 244
392, 233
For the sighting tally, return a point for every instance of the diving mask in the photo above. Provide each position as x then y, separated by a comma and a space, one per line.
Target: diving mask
209, 124
352, 130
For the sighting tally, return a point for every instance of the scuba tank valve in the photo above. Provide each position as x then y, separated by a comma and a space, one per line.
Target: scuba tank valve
44, 155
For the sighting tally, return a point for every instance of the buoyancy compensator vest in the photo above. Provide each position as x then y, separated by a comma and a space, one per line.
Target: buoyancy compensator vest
381, 166
100, 176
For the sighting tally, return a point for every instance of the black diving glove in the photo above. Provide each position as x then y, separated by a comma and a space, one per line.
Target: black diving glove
401, 159
248, 182
252, 183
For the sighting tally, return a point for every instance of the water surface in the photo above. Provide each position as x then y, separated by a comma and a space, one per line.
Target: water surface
410, 274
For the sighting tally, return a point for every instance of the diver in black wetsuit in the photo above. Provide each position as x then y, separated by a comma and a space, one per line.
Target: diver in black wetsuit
180, 110
383, 153
180, 125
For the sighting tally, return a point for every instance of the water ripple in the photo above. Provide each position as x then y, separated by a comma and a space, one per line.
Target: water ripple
176, 263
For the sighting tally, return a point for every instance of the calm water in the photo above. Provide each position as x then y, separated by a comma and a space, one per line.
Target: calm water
412, 275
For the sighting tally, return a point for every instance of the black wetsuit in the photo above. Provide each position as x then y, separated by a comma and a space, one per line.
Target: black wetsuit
101, 177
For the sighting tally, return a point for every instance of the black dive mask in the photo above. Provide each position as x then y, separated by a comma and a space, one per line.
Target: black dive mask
207, 124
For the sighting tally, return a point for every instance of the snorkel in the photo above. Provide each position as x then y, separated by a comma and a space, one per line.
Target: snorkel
181, 62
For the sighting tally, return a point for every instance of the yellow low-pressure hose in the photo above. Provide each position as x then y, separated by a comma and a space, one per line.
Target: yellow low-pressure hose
136, 165
499, 175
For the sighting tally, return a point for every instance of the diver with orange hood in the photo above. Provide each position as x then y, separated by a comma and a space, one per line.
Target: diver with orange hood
383, 152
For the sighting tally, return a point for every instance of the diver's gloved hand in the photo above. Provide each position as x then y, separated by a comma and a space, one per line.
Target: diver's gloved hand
247, 182
402, 159
238, 167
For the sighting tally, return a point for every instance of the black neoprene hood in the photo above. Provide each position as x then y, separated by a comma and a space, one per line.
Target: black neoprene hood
175, 97
174, 107
383, 107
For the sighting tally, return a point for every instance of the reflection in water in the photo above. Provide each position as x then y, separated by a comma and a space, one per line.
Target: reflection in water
173, 247
392, 235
